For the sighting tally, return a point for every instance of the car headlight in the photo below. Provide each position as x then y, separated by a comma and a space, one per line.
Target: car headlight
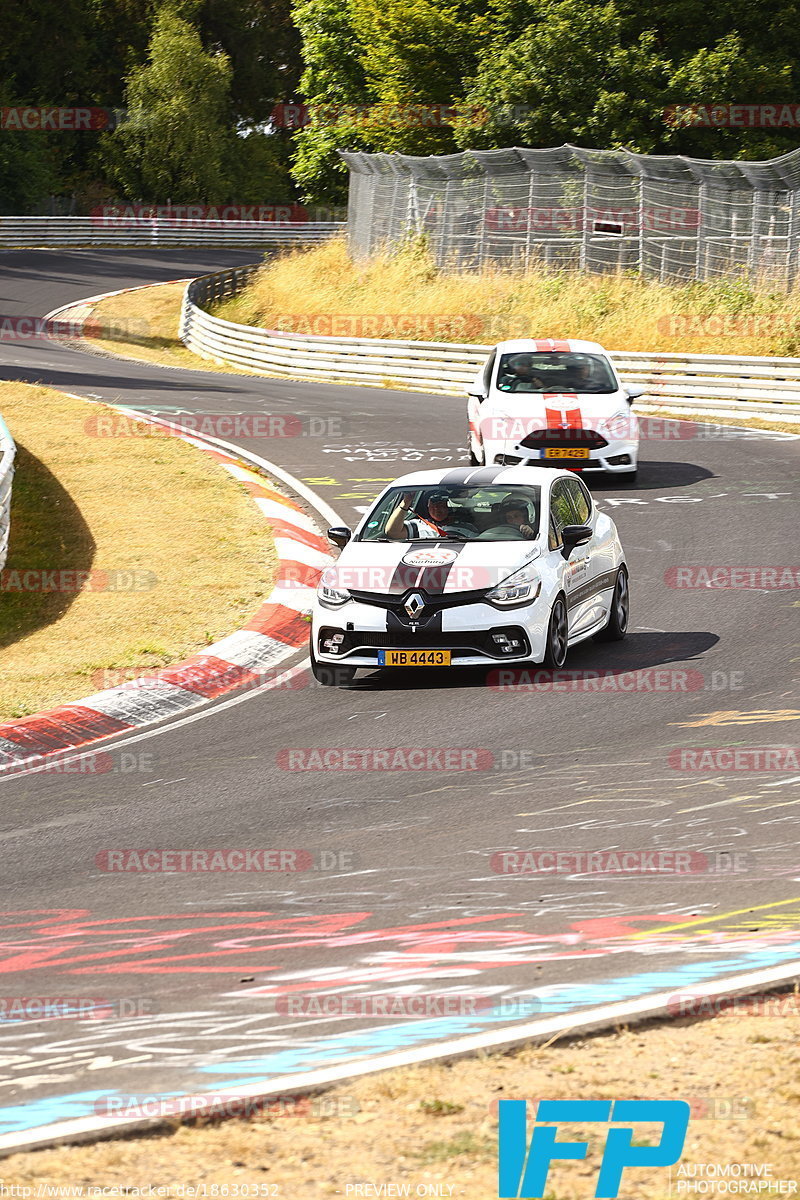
524, 584
327, 591
621, 425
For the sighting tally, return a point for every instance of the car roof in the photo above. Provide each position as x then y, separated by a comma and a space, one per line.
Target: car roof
540, 345
482, 476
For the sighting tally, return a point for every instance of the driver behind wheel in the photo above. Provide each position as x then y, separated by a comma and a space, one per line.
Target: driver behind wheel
516, 514
407, 524
524, 378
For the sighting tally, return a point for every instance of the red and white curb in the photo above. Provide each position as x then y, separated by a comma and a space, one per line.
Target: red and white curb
244, 659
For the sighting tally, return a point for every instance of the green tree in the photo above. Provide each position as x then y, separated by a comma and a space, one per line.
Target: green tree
178, 142
27, 166
567, 76
377, 75
263, 45
333, 79
730, 73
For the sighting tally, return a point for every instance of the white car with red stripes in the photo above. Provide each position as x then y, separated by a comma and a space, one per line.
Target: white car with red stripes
553, 403
470, 567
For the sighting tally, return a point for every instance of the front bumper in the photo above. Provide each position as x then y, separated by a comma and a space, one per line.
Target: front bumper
616, 456
478, 635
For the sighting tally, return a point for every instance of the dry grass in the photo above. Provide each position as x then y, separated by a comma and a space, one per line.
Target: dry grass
304, 289
151, 505
435, 1125
143, 324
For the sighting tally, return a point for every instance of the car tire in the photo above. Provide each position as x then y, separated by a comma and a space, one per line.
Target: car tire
617, 625
555, 654
624, 476
329, 675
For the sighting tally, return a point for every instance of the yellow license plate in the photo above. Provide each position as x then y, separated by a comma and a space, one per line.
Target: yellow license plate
413, 658
568, 452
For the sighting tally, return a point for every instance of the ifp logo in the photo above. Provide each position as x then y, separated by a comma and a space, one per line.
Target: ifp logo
523, 1170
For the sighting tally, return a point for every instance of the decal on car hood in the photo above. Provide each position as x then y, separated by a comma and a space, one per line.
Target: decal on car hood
386, 569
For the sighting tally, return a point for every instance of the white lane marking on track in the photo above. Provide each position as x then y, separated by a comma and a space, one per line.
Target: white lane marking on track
512, 1034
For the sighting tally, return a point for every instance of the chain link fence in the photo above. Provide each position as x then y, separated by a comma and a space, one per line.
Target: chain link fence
668, 218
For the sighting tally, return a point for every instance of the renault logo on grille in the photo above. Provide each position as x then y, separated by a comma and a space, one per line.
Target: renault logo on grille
414, 604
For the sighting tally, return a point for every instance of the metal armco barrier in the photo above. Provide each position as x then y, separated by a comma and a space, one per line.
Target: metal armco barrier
680, 382
159, 231
7, 453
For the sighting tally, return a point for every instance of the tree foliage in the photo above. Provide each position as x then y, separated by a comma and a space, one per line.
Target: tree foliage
177, 143
197, 74
601, 73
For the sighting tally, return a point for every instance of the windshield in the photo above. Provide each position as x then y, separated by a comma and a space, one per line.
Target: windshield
558, 371
451, 513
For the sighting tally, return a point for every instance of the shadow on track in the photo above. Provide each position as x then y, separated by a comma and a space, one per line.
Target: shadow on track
638, 652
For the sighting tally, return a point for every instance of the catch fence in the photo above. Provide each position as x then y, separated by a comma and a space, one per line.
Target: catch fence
669, 218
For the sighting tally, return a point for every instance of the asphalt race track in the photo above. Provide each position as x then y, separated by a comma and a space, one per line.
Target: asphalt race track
403, 897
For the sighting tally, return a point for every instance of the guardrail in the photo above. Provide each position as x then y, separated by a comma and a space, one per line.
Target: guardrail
680, 382
159, 231
7, 453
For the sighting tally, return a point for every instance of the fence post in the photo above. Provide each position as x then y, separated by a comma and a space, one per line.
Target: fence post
701, 206
584, 257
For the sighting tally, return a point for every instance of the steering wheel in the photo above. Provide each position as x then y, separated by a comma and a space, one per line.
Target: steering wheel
536, 384
503, 533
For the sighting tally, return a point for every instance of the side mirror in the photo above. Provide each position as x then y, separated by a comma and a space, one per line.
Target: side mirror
479, 396
634, 391
340, 535
575, 535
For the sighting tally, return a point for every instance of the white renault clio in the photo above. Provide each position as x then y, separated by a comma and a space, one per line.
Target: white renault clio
553, 403
470, 567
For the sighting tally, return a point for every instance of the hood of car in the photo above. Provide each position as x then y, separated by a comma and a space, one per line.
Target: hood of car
433, 567
511, 415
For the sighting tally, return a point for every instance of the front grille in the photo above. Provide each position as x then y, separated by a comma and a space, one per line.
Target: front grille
467, 642
564, 438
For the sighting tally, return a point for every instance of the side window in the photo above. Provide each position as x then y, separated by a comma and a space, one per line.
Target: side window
581, 500
553, 540
487, 371
561, 510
